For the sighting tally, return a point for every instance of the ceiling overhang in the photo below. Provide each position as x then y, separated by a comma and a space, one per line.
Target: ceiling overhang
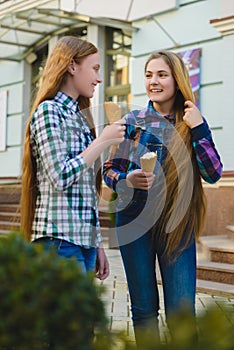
22, 32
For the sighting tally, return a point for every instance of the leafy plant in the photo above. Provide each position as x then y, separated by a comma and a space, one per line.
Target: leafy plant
46, 302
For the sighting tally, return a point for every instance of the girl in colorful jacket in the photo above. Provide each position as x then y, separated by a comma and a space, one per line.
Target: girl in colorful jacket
161, 213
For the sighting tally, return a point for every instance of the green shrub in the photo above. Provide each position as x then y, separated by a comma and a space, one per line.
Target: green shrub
46, 302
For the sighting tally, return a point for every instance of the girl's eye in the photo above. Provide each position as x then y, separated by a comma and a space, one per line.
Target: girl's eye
148, 75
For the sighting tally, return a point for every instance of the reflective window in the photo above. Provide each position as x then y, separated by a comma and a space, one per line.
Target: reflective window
118, 52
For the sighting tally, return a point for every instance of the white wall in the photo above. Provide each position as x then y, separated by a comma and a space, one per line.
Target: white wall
12, 80
227, 7
226, 101
189, 26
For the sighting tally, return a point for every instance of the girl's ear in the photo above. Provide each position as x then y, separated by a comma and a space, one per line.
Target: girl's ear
72, 67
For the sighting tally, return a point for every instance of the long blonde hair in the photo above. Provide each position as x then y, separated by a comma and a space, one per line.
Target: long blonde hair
54, 74
178, 173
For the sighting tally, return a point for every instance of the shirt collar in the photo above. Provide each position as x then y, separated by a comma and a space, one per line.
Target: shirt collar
152, 112
170, 118
67, 101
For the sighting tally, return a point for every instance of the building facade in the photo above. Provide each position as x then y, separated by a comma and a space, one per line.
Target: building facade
28, 33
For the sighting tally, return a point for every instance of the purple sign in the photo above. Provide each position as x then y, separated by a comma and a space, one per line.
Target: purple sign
191, 59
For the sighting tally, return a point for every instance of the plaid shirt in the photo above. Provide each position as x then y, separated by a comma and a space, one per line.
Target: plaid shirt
125, 157
66, 206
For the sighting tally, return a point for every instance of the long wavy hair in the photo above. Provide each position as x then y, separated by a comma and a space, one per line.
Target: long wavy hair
54, 74
183, 214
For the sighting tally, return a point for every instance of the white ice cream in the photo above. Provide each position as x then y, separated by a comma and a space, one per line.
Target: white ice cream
149, 155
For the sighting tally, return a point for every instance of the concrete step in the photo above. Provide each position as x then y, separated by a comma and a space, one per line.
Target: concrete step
216, 288
4, 233
218, 248
104, 219
205, 286
109, 234
9, 208
222, 255
215, 272
9, 217
9, 226
105, 232
10, 194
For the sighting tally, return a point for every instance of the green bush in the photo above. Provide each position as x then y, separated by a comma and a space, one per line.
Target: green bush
46, 302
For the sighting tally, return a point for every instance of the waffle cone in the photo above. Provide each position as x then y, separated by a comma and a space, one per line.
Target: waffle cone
113, 111
148, 164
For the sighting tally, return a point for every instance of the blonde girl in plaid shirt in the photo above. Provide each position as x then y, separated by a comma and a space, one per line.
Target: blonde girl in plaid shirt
61, 152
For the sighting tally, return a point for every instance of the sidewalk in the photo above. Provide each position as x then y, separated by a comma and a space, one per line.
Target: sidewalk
117, 302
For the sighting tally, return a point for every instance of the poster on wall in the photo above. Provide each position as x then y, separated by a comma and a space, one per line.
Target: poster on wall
3, 115
191, 59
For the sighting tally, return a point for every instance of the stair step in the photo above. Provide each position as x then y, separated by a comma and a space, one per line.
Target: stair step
221, 241
104, 217
9, 226
222, 255
216, 272
218, 248
9, 208
110, 235
104, 221
10, 194
4, 233
215, 287
105, 232
9, 217
205, 286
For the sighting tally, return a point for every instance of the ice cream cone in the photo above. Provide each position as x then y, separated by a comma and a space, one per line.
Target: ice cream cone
113, 111
148, 161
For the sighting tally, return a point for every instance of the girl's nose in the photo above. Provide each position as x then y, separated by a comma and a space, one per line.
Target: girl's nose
99, 79
154, 79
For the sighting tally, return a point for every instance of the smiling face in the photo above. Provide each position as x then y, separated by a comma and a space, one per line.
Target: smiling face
88, 75
160, 85
83, 77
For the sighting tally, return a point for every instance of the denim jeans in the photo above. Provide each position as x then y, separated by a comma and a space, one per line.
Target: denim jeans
86, 257
139, 260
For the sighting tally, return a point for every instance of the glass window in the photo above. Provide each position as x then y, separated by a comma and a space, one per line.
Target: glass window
118, 52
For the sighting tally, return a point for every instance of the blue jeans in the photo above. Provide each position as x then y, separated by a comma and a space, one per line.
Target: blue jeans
86, 257
139, 260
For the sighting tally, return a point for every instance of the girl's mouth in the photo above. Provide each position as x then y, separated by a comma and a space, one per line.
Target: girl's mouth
156, 90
